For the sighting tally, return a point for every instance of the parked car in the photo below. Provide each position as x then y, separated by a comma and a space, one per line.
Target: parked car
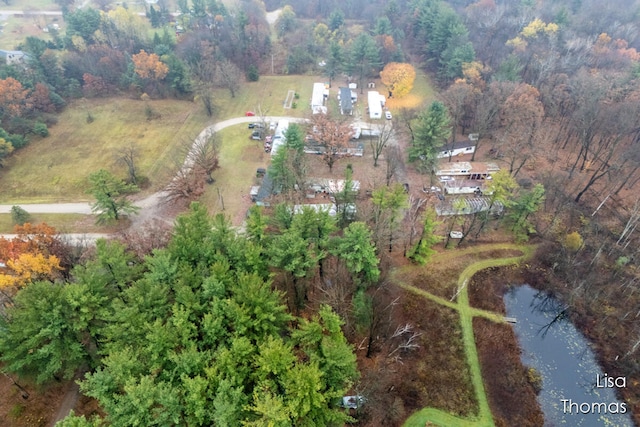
456, 235
387, 115
272, 126
251, 125
249, 114
256, 136
268, 139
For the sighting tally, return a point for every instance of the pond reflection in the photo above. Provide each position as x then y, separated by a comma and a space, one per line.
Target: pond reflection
572, 381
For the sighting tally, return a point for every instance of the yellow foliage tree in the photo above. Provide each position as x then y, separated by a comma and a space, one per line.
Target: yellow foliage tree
398, 77
28, 267
537, 26
472, 72
149, 66
573, 242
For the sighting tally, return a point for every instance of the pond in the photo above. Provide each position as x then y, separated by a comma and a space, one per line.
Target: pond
575, 390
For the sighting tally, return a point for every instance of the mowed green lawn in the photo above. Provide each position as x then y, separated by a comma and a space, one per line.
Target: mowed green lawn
55, 169
268, 95
239, 158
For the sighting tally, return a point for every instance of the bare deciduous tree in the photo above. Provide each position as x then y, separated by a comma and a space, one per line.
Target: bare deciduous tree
333, 135
128, 157
380, 141
228, 76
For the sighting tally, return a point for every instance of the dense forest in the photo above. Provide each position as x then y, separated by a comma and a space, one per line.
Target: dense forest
224, 328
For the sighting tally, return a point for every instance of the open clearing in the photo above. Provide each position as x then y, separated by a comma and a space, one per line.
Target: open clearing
267, 97
55, 169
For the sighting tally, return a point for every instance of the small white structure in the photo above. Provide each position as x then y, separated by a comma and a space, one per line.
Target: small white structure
375, 104
254, 193
353, 402
457, 148
317, 99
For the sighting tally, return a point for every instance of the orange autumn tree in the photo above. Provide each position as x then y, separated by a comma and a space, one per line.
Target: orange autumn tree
398, 77
13, 98
27, 257
148, 66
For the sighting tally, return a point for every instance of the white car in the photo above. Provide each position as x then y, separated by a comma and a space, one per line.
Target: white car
387, 115
456, 235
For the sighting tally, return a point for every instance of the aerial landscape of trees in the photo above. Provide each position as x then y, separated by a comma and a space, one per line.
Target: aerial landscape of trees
273, 318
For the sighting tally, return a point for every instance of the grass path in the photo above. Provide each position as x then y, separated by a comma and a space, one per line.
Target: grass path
467, 313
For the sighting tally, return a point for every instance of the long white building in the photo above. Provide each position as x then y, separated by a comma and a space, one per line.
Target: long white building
375, 104
317, 99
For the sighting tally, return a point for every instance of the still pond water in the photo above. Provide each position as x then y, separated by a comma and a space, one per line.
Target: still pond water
570, 394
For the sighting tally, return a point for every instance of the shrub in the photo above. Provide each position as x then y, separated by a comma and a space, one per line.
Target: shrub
90, 117
18, 141
19, 216
16, 411
41, 129
150, 113
252, 73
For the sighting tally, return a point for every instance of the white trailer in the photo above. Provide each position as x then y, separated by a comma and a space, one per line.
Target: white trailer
278, 138
375, 106
317, 99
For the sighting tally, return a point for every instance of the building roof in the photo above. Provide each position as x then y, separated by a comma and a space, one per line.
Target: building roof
457, 145
467, 206
331, 186
345, 100
466, 168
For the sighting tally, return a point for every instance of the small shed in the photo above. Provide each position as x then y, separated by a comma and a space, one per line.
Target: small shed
255, 190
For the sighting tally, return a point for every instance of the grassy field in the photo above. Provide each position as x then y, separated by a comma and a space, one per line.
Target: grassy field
63, 223
267, 95
421, 94
239, 159
16, 29
55, 169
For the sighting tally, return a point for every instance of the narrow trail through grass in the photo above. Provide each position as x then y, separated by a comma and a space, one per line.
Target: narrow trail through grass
467, 313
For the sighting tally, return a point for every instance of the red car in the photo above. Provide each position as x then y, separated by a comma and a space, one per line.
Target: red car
249, 114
